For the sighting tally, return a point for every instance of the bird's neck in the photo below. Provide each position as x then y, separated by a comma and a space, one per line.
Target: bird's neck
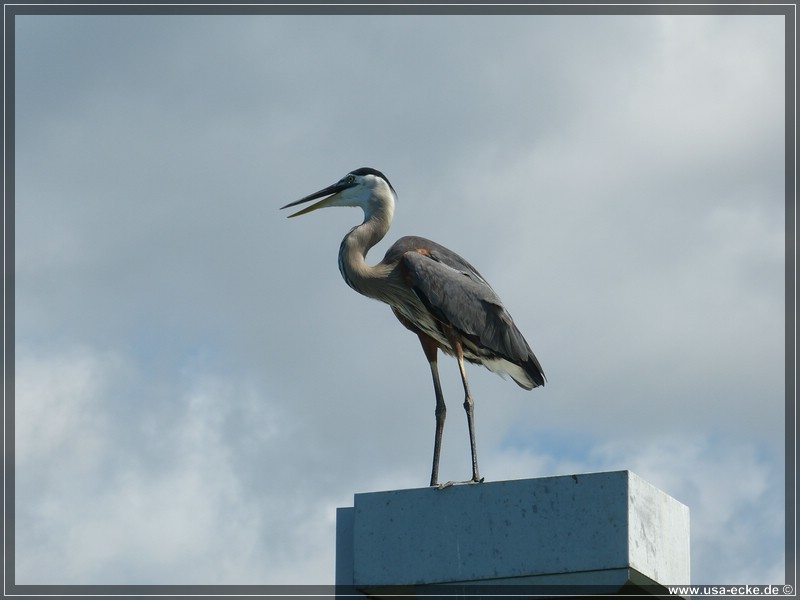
353, 252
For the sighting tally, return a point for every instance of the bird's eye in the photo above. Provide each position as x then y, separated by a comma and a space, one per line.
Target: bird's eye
351, 179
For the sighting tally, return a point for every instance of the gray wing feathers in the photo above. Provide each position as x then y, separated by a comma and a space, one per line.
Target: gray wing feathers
456, 294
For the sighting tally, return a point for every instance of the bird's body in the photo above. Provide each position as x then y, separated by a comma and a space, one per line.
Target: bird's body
438, 293
432, 291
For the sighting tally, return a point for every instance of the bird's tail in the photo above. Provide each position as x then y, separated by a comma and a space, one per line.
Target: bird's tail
534, 373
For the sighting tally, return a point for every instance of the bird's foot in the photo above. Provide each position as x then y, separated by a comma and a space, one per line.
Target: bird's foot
442, 486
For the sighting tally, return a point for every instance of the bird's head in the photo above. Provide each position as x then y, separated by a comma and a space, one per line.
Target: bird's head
364, 188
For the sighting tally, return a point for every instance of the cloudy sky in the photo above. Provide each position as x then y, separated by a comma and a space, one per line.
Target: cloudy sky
197, 389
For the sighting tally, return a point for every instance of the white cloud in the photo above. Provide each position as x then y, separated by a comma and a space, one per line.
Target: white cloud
175, 502
149, 498
56, 401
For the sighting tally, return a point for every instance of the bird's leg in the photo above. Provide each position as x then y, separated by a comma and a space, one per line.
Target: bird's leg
468, 407
430, 347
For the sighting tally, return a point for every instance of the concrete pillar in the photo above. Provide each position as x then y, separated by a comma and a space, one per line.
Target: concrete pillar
587, 533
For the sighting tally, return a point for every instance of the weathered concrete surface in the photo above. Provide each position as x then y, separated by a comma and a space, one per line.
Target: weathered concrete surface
575, 529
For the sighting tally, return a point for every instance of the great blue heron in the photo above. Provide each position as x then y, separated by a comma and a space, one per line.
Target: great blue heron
432, 291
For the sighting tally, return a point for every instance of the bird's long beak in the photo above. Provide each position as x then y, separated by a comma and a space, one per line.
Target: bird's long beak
331, 192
